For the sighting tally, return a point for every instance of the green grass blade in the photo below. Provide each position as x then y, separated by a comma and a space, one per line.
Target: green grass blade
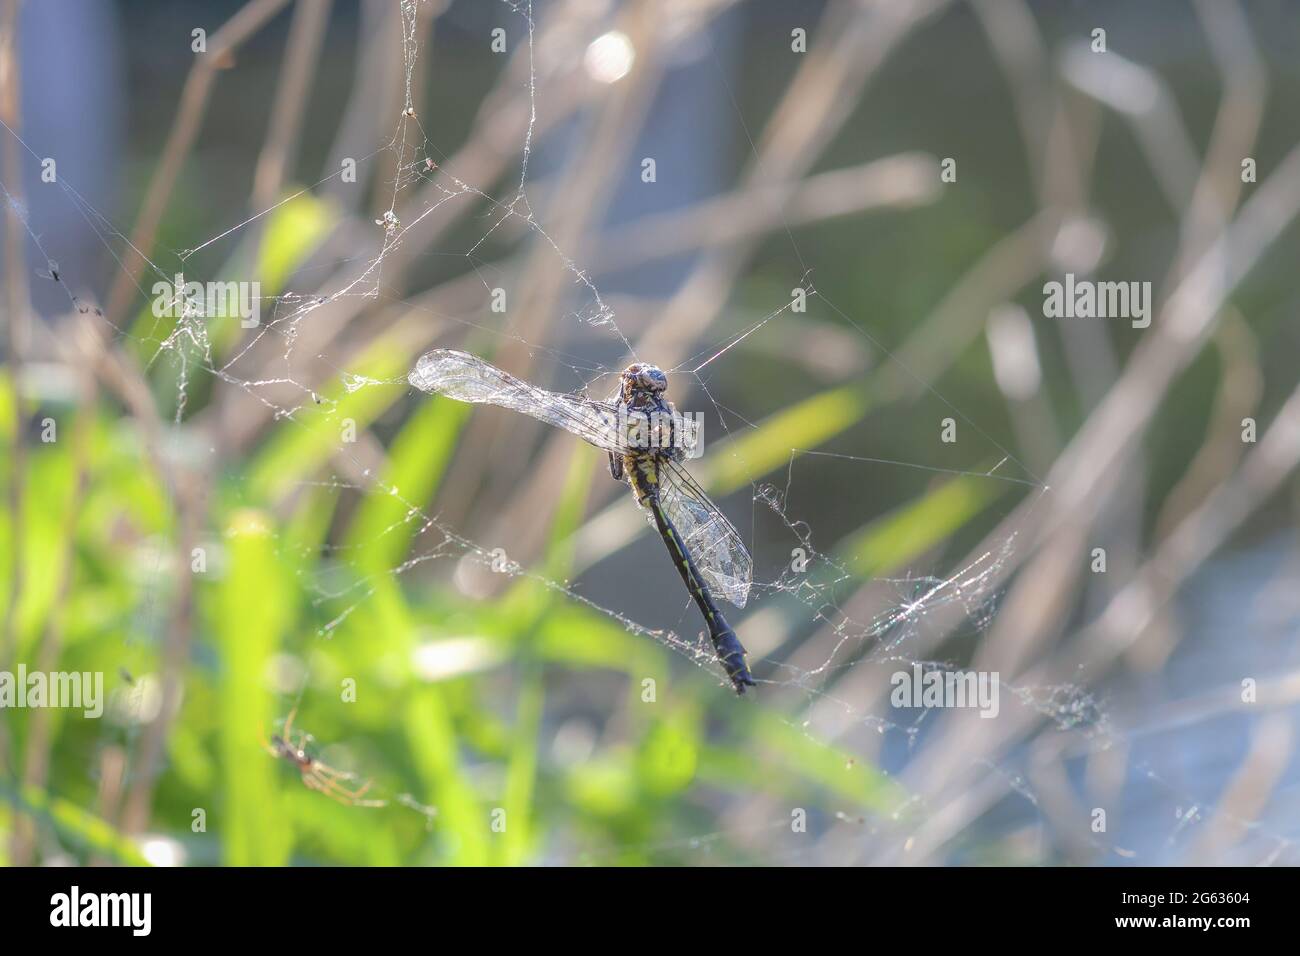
890, 542
380, 534
253, 609
78, 826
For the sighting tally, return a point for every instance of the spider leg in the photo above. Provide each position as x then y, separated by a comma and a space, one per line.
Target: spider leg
354, 796
327, 782
333, 782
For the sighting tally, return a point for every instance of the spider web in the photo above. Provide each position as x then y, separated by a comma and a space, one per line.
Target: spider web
823, 638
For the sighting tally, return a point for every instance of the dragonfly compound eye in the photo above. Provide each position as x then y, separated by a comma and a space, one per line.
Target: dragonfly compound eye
653, 379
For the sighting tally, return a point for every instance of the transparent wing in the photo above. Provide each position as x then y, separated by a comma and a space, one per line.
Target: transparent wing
714, 543
467, 378
608, 425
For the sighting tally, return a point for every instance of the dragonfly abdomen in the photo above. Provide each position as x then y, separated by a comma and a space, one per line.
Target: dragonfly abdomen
725, 643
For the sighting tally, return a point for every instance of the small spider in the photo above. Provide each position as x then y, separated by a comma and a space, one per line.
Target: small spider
315, 774
390, 222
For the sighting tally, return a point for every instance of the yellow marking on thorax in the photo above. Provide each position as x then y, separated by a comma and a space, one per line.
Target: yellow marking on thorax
643, 474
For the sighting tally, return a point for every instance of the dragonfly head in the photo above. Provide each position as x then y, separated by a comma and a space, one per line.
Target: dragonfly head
641, 377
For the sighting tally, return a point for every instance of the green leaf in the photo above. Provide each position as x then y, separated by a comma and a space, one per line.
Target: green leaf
669, 754
253, 609
295, 229
75, 824
521, 772
892, 541
380, 534
462, 822
807, 424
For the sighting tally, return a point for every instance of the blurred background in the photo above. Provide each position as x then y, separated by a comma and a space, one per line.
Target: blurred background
833, 223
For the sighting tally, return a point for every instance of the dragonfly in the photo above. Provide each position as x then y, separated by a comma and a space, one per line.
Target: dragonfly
647, 441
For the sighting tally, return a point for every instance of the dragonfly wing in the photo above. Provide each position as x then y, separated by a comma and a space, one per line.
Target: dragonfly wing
713, 541
467, 378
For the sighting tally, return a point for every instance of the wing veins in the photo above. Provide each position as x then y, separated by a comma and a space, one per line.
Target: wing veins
714, 542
